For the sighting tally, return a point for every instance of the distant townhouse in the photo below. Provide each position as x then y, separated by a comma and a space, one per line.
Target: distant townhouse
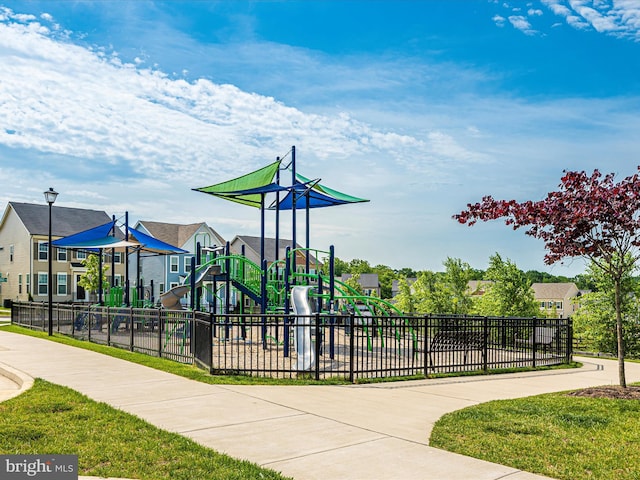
251, 248
368, 281
24, 252
395, 286
159, 273
556, 299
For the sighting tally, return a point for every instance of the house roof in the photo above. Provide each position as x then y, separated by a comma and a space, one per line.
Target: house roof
477, 287
65, 221
269, 246
366, 280
173, 233
554, 290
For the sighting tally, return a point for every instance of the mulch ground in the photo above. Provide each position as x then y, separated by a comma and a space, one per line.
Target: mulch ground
609, 391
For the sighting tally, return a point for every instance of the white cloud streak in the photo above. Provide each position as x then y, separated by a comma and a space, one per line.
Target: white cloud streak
618, 18
116, 136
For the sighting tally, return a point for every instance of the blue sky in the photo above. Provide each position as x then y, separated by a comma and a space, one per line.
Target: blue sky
419, 106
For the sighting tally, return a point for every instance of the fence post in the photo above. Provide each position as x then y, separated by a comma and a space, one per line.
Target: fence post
352, 348
425, 339
569, 347
159, 333
535, 341
131, 339
318, 345
485, 343
211, 324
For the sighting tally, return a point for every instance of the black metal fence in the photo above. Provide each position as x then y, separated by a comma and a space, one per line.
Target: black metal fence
317, 346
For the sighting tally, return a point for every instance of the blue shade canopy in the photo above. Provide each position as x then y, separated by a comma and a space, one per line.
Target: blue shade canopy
109, 236
151, 244
311, 194
94, 239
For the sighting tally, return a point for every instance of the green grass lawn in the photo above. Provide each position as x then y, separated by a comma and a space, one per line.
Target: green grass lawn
50, 419
556, 435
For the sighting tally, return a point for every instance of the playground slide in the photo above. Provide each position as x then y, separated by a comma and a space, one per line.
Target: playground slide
302, 331
171, 298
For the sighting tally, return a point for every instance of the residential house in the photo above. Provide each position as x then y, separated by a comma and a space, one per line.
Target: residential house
476, 288
556, 299
395, 286
368, 281
250, 246
24, 252
159, 273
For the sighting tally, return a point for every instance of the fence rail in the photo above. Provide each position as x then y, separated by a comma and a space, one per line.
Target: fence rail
317, 346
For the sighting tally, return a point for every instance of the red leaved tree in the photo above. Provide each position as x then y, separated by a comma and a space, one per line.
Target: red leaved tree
590, 216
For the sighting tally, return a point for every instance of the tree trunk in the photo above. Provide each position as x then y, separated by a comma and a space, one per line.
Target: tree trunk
619, 332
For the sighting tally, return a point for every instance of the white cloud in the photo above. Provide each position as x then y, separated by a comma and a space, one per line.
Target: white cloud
499, 20
619, 18
116, 136
521, 23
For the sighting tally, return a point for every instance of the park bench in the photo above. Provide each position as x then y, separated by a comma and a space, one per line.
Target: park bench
463, 341
540, 336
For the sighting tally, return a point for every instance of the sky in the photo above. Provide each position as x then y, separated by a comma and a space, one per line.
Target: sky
419, 106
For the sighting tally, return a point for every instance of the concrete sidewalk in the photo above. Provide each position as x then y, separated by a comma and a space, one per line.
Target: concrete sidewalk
378, 431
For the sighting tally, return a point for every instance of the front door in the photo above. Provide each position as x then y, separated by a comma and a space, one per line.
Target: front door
81, 294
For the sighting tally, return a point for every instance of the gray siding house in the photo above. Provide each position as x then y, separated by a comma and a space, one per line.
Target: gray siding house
167, 271
24, 253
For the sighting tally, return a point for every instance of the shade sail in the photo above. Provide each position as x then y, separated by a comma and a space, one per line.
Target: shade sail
152, 244
247, 189
312, 194
102, 236
109, 236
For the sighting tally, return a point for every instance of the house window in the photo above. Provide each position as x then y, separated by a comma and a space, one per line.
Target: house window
81, 255
173, 284
43, 287
549, 304
11, 253
173, 264
62, 284
19, 283
187, 264
117, 280
28, 282
161, 288
559, 305
117, 257
62, 254
43, 251
543, 304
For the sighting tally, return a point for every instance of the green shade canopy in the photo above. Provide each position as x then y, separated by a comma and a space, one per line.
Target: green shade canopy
247, 189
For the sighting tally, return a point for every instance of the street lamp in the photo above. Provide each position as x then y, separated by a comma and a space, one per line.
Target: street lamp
50, 196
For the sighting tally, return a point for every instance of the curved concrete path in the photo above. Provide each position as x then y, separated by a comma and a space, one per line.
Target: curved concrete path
378, 431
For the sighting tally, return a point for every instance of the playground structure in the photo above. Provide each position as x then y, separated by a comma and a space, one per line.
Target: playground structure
223, 282
290, 315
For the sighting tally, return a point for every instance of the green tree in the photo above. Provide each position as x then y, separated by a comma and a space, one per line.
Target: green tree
406, 272
386, 276
354, 282
359, 266
509, 294
405, 299
443, 292
455, 283
595, 321
339, 266
90, 280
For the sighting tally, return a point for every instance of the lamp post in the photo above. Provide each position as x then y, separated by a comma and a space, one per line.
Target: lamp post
50, 196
